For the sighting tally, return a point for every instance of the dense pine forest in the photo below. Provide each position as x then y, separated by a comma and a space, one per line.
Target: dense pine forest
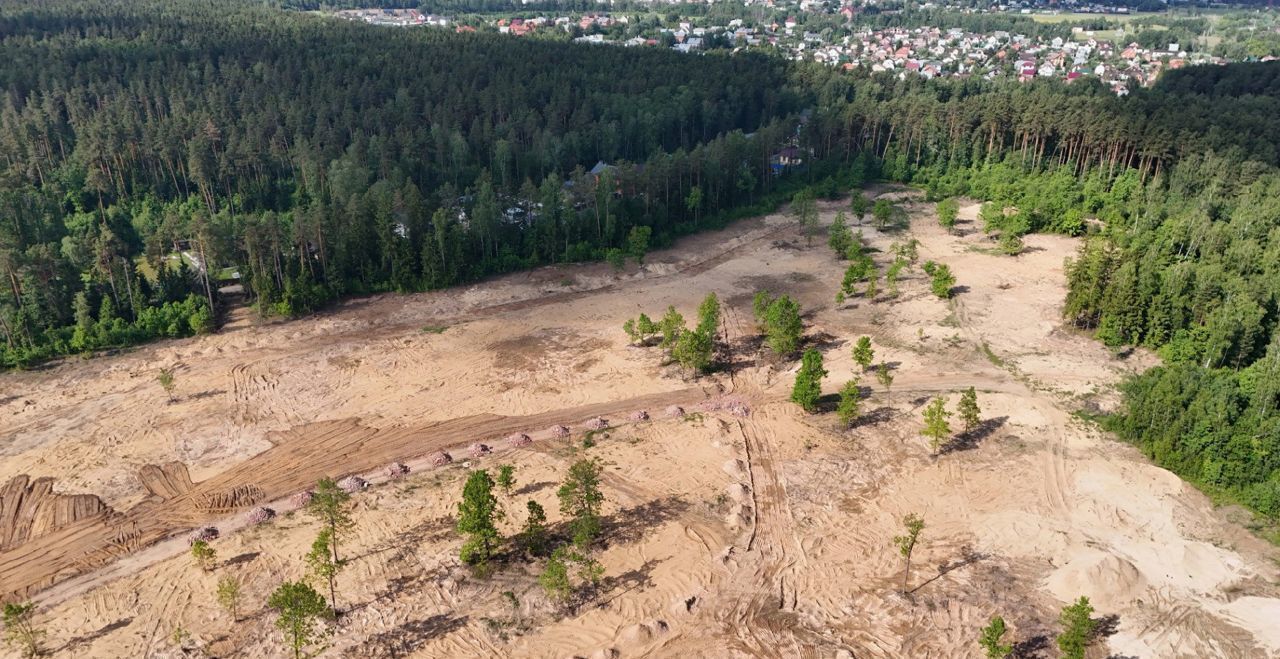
323, 158
150, 151
1177, 191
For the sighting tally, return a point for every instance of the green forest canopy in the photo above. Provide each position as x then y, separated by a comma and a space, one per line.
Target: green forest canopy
146, 145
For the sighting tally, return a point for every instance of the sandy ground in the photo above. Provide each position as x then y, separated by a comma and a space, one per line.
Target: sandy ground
768, 534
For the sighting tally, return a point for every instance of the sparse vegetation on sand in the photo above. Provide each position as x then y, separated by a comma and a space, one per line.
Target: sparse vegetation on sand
438, 502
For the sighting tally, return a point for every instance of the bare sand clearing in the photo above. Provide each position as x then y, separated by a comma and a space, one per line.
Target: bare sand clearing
765, 534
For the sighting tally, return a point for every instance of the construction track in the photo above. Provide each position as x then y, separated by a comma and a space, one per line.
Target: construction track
298, 459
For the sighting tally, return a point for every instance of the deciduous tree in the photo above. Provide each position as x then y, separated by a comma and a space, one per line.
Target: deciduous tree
20, 630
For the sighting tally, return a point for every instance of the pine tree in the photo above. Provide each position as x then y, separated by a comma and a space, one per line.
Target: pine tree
858, 205
936, 427
992, 634
968, 408
322, 566
229, 596
943, 280
839, 237
203, 555
506, 479
709, 316
671, 326
885, 376
805, 209
883, 212
783, 326
948, 209
330, 505
1077, 628
477, 515
167, 382
760, 306
555, 578
694, 350
581, 499
533, 537
863, 354
645, 327
808, 386
850, 399
892, 274
906, 544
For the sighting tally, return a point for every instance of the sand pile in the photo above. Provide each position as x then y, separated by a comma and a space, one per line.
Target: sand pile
1110, 582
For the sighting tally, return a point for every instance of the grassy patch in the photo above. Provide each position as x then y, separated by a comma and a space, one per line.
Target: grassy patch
993, 357
434, 329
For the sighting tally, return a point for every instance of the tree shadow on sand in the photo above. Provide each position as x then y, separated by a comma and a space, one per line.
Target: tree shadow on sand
630, 524
970, 439
874, 417
967, 557
241, 559
1038, 646
89, 638
1031, 648
638, 578
410, 636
